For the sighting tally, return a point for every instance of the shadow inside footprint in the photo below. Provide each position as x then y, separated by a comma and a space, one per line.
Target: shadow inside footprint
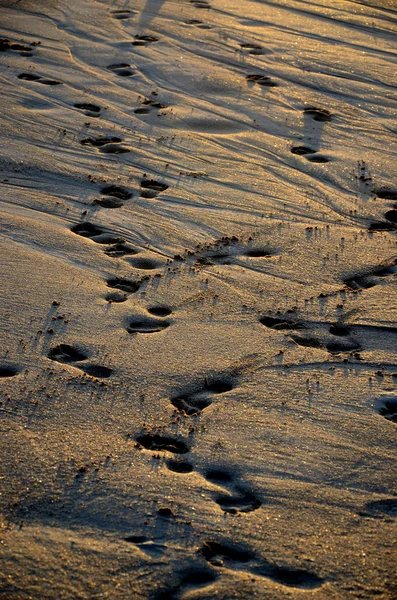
386, 194
318, 114
109, 202
8, 371
150, 188
100, 141
144, 40
125, 285
146, 264
243, 503
120, 249
193, 403
263, 80
379, 509
64, 353
97, 371
108, 145
234, 558
160, 311
386, 405
95, 233
116, 191
281, 323
158, 442
91, 110
302, 150
147, 325
178, 466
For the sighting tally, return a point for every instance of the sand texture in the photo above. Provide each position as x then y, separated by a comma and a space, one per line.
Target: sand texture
198, 371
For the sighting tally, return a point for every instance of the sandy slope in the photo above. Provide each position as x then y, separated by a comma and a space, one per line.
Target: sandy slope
199, 316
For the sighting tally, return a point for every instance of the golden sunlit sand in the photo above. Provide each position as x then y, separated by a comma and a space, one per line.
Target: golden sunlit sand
199, 328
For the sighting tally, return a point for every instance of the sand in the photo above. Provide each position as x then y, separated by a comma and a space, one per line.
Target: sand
198, 374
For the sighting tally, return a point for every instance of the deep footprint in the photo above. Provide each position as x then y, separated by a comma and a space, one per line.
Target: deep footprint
193, 403
318, 114
178, 466
8, 371
147, 325
116, 191
91, 110
95, 233
262, 80
234, 558
125, 285
158, 442
64, 353
150, 188
386, 406
108, 145
144, 40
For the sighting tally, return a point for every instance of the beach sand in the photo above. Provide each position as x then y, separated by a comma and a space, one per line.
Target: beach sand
199, 319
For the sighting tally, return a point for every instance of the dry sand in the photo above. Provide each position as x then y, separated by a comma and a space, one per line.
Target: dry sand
199, 326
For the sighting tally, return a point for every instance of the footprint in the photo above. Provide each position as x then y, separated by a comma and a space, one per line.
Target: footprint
145, 264
66, 354
8, 370
379, 509
254, 49
302, 150
341, 346
195, 578
307, 341
238, 499
339, 329
192, 403
120, 249
369, 278
150, 188
263, 80
95, 233
144, 40
6, 45
162, 443
122, 69
280, 323
178, 466
320, 335
38, 79
116, 297
386, 405
318, 158
200, 4
222, 555
117, 196
318, 114
108, 145
391, 215
122, 14
109, 202
97, 371
91, 110
146, 545
198, 23
125, 285
147, 106
237, 559
386, 194
160, 311
147, 325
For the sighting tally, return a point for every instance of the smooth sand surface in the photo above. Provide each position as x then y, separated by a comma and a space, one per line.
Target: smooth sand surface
199, 322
